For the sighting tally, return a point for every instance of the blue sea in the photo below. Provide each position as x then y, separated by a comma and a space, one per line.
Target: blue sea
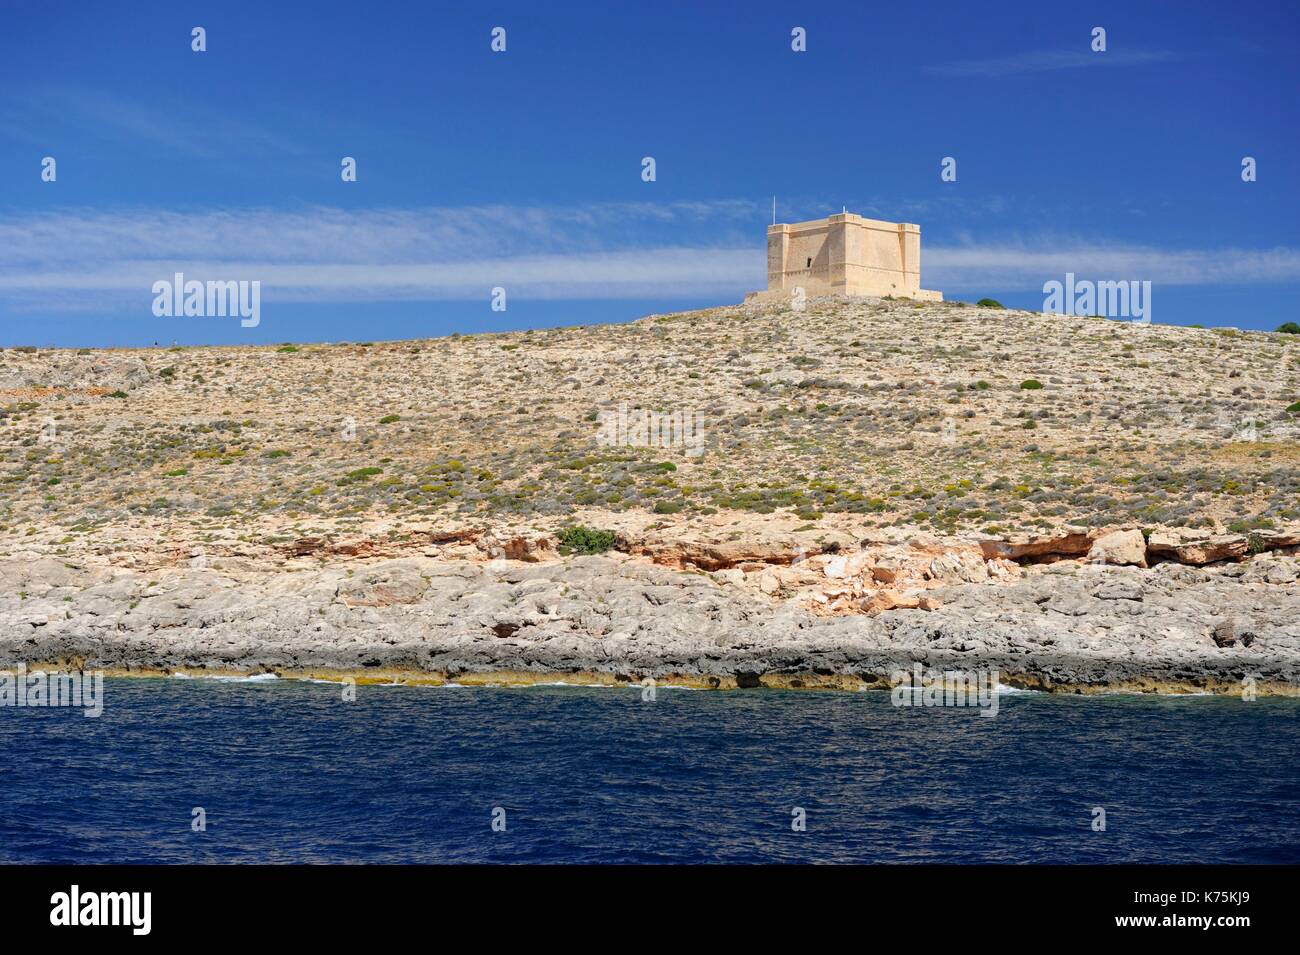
286, 771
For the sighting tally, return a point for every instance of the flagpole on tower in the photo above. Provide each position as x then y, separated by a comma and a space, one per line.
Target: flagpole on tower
774, 210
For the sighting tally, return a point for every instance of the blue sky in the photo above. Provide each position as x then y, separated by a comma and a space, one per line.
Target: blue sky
523, 169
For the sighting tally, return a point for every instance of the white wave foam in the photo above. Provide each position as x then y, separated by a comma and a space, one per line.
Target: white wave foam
225, 678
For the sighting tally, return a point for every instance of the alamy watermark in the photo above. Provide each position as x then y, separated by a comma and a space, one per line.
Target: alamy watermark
18, 687
129, 909
208, 299
642, 428
1126, 298
920, 687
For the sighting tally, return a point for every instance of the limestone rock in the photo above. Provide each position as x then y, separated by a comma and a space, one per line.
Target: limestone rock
530, 549
615, 615
1120, 547
845, 566
1198, 551
887, 599
1119, 590
956, 567
715, 555
1070, 542
886, 570
1231, 632
1279, 539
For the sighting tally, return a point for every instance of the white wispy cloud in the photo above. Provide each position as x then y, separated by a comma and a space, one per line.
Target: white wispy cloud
1029, 265
1041, 61
600, 250
329, 235
681, 272
102, 259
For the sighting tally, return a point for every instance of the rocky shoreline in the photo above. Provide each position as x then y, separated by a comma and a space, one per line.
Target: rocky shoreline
1079, 504
454, 608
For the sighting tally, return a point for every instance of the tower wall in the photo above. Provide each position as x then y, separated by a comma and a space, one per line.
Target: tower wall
846, 254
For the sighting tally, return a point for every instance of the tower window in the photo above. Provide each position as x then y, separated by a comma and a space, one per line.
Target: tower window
809, 265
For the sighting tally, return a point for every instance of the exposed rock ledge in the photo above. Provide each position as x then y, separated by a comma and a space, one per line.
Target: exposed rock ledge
1069, 624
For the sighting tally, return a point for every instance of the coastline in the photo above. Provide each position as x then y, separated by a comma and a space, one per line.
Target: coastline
591, 679
433, 617
861, 501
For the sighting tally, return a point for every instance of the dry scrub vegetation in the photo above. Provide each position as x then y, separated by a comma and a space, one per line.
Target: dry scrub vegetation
835, 416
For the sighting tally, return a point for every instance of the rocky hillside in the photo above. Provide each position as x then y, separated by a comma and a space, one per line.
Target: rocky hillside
854, 459
942, 417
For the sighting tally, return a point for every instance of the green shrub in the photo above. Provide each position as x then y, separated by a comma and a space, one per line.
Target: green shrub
989, 303
1030, 384
390, 418
1288, 328
585, 540
287, 349
1293, 409
361, 474
118, 394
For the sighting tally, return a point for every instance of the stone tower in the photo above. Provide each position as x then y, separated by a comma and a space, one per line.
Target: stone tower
845, 254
